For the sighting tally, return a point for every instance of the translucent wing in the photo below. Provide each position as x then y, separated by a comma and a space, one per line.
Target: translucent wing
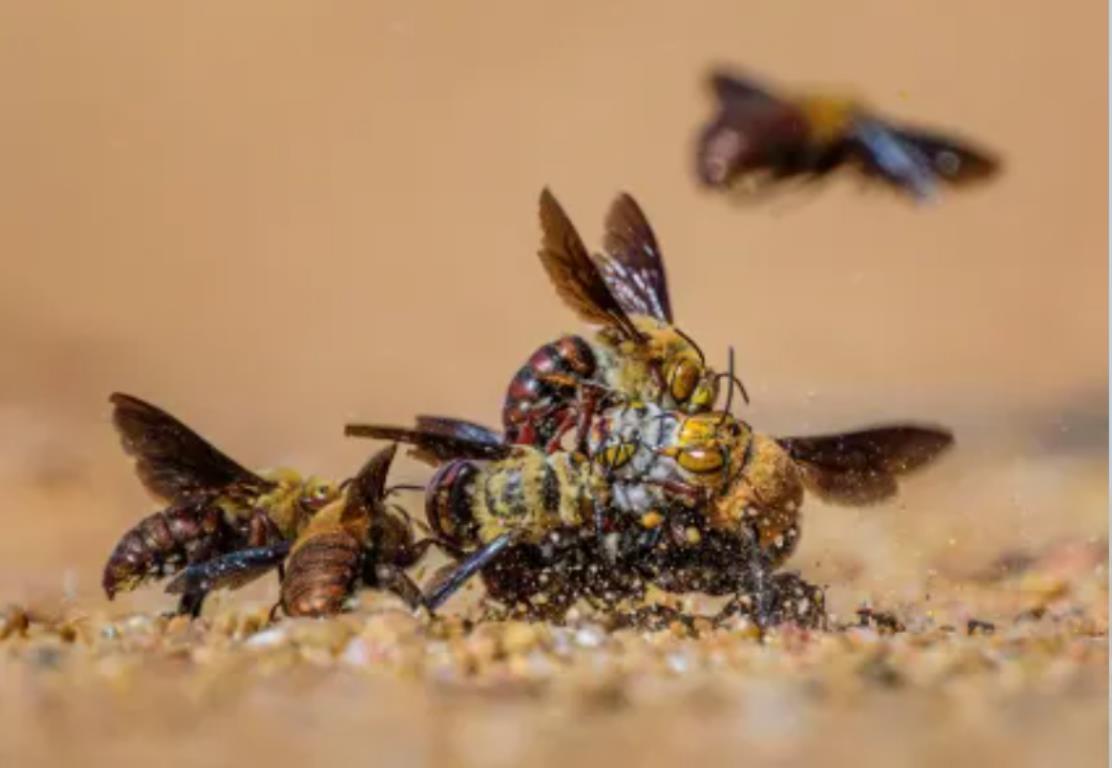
632, 265
173, 461
574, 274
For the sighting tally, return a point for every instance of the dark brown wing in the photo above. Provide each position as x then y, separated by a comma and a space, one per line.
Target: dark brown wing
733, 89
952, 160
432, 446
467, 430
574, 274
861, 467
173, 461
751, 130
368, 488
632, 266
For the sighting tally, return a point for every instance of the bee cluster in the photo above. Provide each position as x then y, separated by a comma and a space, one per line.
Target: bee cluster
615, 471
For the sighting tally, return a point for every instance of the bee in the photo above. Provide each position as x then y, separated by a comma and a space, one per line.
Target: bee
690, 503
756, 135
356, 539
515, 514
214, 505
638, 352
737, 497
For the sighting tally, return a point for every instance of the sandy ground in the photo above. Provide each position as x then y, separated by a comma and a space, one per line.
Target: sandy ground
274, 217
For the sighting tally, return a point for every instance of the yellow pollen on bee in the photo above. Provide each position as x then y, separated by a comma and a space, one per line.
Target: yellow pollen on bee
652, 519
692, 535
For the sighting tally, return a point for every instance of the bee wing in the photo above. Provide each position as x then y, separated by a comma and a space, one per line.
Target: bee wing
633, 267
173, 461
229, 571
467, 430
433, 446
733, 89
368, 487
859, 468
574, 274
951, 160
751, 127
883, 151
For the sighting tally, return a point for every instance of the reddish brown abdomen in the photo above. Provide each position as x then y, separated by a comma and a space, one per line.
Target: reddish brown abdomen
164, 543
321, 574
543, 390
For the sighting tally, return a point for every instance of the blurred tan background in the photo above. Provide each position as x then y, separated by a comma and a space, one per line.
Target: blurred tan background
272, 217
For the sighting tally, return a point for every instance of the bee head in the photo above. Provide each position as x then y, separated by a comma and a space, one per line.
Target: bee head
687, 381
316, 494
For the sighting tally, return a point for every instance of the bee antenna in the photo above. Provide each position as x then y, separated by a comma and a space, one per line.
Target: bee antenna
729, 395
403, 487
691, 341
735, 381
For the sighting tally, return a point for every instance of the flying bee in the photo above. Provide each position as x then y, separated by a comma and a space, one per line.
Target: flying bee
215, 505
637, 352
356, 539
756, 135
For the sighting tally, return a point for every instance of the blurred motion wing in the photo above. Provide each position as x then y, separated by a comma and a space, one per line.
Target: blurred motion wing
951, 160
861, 467
574, 274
632, 267
173, 461
883, 152
733, 89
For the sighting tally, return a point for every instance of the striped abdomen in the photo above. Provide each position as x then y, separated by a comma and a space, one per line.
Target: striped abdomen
166, 542
448, 503
321, 573
543, 391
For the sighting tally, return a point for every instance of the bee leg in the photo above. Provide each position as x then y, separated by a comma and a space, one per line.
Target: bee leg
591, 398
465, 569
394, 579
568, 421
272, 614
231, 570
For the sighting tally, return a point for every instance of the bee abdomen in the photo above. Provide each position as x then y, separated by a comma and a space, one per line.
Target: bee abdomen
320, 575
532, 388
448, 503
162, 544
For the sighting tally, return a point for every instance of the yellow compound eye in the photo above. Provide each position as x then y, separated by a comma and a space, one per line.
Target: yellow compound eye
682, 376
616, 455
701, 460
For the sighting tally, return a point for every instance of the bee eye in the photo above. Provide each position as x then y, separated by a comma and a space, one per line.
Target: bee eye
701, 460
682, 380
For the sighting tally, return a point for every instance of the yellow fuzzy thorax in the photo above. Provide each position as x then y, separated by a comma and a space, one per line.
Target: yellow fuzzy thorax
290, 503
629, 366
828, 117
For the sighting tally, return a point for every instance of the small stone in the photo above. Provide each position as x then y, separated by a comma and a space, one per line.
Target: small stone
268, 638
